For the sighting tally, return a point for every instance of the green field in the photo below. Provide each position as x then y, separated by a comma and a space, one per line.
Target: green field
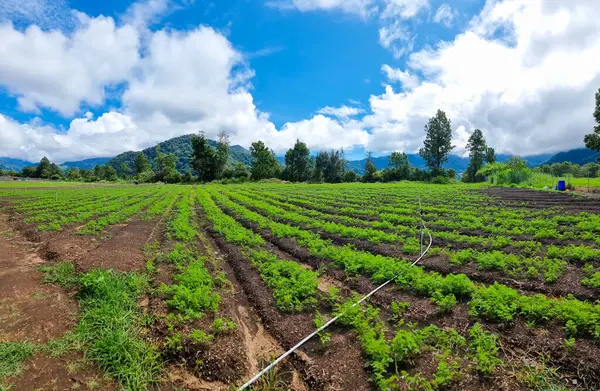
505, 295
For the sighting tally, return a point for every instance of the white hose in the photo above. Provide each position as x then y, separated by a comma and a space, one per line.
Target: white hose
295, 347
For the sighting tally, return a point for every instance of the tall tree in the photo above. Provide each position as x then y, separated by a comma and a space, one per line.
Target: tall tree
400, 166
335, 167
141, 163
370, 169
264, 163
438, 142
222, 154
477, 152
321, 162
592, 140
43, 169
298, 162
490, 155
203, 158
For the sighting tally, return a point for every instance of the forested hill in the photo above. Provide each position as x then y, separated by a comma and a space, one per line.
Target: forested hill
182, 147
578, 156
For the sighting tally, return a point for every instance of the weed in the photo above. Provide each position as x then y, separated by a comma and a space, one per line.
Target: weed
63, 274
223, 325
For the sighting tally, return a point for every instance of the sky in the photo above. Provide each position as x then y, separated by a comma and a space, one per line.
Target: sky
82, 79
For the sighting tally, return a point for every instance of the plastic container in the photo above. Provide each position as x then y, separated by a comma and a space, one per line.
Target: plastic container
562, 186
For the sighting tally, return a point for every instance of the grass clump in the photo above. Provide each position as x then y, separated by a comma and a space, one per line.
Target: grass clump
62, 274
12, 355
110, 327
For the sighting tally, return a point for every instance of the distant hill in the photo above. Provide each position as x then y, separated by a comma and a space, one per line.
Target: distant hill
182, 147
578, 156
85, 164
7, 163
458, 163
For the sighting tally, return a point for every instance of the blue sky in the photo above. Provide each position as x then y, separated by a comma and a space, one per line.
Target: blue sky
86, 79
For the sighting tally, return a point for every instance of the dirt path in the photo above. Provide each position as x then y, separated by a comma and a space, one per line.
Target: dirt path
36, 312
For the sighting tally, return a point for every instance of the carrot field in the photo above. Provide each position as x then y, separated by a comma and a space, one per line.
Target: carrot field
200, 287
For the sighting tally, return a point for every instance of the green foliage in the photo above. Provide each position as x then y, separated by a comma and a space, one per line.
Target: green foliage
370, 169
483, 349
438, 142
223, 325
110, 327
592, 140
319, 322
297, 163
592, 281
399, 308
63, 274
477, 152
199, 337
193, 292
405, 345
264, 164
12, 355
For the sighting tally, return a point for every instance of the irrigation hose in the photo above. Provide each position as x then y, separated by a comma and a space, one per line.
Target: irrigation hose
295, 347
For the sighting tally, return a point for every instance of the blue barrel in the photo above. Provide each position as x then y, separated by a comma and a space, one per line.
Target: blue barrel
562, 186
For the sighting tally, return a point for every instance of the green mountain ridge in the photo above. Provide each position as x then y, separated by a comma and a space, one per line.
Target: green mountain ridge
182, 147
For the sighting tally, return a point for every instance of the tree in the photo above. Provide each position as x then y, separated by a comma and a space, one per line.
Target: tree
321, 162
165, 164
477, 152
297, 162
438, 142
124, 170
203, 158
264, 163
490, 155
108, 173
451, 173
141, 163
29, 172
240, 171
73, 174
335, 167
400, 166
351, 176
1, 172
592, 140
370, 169
222, 154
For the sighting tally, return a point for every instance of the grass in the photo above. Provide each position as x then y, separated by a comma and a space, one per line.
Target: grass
12, 355
110, 329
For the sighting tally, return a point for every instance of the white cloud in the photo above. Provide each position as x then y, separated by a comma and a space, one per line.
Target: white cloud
46, 14
530, 92
341, 112
142, 14
398, 38
404, 9
445, 15
359, 7
59, 72
407, 79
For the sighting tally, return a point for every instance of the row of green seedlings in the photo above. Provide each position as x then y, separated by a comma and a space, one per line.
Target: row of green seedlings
120, 214
508, 223
392, 360
55, 222
294, 287
548, 269
495, 302
411, 246
71, 206
194, 294
512, 265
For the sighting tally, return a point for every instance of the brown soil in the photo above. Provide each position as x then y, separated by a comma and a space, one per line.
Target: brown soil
37, 312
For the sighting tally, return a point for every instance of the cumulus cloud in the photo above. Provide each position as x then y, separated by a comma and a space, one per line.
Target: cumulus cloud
523, 72
359, 7
445, 15
341, 112
48, 69
407, 79
404, 9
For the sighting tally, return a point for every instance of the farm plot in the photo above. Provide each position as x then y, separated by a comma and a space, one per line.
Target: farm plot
199, 287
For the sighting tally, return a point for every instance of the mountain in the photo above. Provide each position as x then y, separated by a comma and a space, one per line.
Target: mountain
578, 156
458, 163
85, 164
182, 147
7, 163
